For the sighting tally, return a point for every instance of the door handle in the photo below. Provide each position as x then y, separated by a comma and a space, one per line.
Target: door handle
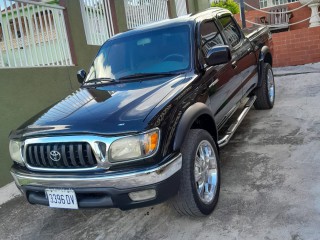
234, 64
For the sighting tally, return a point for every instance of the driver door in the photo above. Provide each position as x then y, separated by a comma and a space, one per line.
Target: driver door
220, 79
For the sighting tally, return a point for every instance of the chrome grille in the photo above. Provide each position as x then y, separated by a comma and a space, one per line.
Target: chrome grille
70, 155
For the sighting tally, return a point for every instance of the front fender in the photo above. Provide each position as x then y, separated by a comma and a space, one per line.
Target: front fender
188, 118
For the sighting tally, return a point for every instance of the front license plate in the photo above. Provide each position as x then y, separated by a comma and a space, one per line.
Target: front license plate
62, 198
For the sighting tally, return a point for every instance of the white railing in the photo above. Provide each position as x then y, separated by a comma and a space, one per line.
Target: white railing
139, 12
181, 7
272, 3
32, 34
97, 21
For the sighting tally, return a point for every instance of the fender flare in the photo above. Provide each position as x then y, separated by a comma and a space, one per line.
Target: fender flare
263, 53
186, 121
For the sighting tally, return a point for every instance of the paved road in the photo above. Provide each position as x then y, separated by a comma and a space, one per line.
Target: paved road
270, 186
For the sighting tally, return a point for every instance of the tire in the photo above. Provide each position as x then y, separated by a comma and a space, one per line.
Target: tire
266, 93
188, 201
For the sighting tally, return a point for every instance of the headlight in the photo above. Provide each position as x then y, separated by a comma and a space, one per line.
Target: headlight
134, 147
15, 151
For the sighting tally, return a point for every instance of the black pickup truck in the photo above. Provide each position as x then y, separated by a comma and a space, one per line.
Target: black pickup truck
149, 118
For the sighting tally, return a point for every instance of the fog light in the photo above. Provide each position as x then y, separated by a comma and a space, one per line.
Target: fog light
143, 195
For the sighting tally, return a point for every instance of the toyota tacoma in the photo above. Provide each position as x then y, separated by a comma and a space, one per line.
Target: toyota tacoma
147, 123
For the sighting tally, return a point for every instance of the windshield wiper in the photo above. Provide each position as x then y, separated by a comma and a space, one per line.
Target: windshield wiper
100, 80
146, 75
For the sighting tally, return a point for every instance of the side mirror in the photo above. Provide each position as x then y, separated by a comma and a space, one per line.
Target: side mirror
81, 75
218, 55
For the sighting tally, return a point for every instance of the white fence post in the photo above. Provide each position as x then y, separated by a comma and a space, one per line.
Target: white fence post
33, 35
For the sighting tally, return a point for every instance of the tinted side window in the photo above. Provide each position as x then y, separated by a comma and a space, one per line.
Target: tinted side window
231, 30
210, 36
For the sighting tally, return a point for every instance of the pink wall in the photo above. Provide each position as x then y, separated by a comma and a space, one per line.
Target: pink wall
300, 45
296, 47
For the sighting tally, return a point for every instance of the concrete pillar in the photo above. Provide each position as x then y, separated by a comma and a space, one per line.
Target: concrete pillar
172, 9
191, 6
120, 15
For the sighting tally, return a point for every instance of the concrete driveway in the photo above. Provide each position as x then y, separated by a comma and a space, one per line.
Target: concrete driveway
270, 184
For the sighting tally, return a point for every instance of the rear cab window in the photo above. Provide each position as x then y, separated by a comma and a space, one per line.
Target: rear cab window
231, 30
210, 36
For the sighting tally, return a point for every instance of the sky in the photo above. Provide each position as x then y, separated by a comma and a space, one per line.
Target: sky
2, 3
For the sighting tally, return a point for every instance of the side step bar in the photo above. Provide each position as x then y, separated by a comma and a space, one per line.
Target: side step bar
231, 130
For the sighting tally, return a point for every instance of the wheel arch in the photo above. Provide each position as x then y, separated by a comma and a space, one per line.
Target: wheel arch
265, 56
196, 116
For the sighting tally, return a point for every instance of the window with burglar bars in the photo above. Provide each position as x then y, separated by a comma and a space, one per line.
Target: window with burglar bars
263, 3
97, 20
139, 12
32, 34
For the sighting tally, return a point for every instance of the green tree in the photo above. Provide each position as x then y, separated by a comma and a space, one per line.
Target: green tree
231, 5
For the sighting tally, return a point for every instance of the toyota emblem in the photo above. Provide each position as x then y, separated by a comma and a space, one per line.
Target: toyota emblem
55, 156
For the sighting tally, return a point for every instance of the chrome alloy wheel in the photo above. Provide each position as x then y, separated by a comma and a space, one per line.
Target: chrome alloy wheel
271, 88
205, 172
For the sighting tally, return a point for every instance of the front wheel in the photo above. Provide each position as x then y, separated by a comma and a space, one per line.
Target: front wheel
200, 178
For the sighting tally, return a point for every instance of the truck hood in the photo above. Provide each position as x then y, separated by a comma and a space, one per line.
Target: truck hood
104, 110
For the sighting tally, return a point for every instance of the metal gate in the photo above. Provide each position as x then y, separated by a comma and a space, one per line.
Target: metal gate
97, 20
32, 34
181, 7
139, 12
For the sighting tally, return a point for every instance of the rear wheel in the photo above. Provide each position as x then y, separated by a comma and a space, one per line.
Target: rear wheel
200, 178
266, 93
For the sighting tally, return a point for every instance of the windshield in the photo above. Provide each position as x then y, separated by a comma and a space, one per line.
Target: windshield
158, 51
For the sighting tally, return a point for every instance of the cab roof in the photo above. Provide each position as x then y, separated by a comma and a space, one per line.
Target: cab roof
190, 19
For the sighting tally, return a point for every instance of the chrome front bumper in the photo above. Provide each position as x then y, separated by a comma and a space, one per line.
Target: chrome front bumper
136, 178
